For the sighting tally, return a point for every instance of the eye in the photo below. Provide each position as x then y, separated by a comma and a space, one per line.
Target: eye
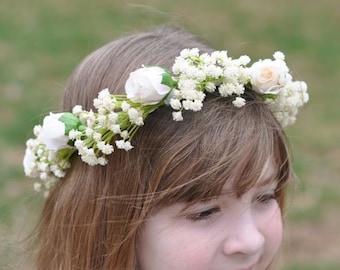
205, 214
266, 198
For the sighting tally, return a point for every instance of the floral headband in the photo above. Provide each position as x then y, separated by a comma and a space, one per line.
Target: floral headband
119, 117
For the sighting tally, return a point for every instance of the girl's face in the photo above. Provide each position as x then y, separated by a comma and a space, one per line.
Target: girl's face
225, 233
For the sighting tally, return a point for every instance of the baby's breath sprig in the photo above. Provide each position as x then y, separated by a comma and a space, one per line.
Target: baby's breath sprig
88, 133
197, 73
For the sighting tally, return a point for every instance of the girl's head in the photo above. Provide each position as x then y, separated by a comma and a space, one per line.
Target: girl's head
100, 217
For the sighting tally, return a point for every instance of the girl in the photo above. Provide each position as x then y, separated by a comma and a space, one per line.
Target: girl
202, 182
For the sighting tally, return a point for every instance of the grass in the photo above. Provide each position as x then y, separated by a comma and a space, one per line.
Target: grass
41, 42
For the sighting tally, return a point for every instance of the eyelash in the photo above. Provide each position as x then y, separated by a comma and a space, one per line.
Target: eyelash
203, 215
208, 213
266, 199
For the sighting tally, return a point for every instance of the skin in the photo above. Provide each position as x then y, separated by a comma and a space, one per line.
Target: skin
225, 233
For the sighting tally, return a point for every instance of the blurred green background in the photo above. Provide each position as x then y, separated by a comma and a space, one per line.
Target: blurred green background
41, 42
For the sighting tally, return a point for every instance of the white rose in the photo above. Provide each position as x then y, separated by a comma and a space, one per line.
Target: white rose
52, 133
145, 85
268, 76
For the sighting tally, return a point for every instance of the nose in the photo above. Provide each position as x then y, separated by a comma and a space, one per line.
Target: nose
244, 236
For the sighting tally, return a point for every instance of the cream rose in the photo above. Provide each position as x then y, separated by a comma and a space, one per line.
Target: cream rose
145, 85
268, 76
52, 133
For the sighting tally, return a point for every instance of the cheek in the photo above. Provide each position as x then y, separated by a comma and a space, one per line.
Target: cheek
188, 254
273, 232
176, 248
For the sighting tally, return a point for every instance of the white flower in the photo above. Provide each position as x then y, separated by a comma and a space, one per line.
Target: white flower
239, 102
80, 145
74, 134
193, 73
77, 109
175, 104
124, 134
37, 186
305, 96
89, 157
239, 89
116, 129
139, 121
90, 119
104, 103
89, 132
113, 117
231, 74
226, 89
179, 65
107, 149
279, 55
135, 116
29, 161
268, 76
206, 59
125, 106
58, 172
102, 120
187, 85
43, 166
52, 133
220, 57
97, 136
177, 116
189, 53
104, 94
37, 130
244, 60
145, 85
102, 161
193, 105
210, 87
212, 71
126, 145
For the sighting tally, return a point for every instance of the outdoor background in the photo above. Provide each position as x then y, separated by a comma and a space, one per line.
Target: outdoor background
42, 41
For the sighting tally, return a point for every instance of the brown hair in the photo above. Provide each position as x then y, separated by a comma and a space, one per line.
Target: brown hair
92, 217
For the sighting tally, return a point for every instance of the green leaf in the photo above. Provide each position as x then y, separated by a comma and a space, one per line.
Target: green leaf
65, 153
269, 96
70, 121
167, 80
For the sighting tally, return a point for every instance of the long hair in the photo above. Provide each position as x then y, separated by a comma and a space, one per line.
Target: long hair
92, 217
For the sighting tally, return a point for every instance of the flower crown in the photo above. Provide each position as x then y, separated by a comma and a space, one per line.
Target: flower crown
119, 117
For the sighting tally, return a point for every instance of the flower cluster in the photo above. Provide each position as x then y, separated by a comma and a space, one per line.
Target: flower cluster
88, 133
284, 96
96, 134
197, 73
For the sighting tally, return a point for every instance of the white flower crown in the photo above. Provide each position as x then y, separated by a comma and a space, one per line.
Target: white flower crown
119, 117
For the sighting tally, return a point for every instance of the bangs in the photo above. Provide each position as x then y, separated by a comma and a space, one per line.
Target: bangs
223, 145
